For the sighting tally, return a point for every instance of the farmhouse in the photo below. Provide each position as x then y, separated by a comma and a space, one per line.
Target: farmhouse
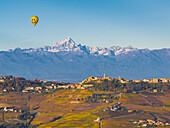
29, 88
11, 109
63, 86
155, 90
145, 80
163, 80
38, 88
87, 85
98, 78
49, 87
2, 81
4, 90
137, 81
24, 91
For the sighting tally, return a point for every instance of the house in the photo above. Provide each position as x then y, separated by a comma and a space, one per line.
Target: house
47, 90
29, 88
11, 109
2, 80
113, 109
145, 80
135, 122
107, 101
38, 88
63, 86
6, 109
130, 111
168, 124
159, 123
77, 85
87, 85
98, 78
39, 91
123, 81
54, 86
163, 80
144, 125
4, 90
150, 121
71, 85
24, 91
168, 79
155, 90
154, 80
109, 78
12, 88
90, 78
49, 87
137, 81
83, 81
98, 120
141, 121
15, 110
134, 92
81, 88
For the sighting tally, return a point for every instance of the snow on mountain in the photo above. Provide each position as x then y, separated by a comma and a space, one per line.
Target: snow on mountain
70, 46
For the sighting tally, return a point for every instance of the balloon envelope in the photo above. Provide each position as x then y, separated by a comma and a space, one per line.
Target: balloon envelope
34, 20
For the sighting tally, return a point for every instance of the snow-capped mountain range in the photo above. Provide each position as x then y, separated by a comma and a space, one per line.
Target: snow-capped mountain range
68, 45
68, 61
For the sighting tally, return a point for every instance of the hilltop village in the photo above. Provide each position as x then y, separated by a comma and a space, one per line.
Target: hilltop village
96, 101
10, 83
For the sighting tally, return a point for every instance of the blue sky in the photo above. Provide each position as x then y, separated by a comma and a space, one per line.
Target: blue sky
140, 23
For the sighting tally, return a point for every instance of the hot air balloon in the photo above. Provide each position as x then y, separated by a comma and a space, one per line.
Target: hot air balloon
34, 20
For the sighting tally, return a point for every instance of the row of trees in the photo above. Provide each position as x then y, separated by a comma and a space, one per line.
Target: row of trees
17, 83
11, 83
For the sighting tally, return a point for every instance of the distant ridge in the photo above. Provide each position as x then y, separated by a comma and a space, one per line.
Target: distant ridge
70, 61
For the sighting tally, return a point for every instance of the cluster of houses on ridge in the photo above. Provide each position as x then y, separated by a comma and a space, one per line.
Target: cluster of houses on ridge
83, 85
151, 123
122, 80
40, 89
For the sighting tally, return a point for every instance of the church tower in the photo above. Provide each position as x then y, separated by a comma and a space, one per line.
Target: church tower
104, 76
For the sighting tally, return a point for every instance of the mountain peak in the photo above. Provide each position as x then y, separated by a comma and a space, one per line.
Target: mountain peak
67, 41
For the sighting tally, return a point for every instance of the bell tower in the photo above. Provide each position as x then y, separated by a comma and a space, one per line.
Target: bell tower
104, 76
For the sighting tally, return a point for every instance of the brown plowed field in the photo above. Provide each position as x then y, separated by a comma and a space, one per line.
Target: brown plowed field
138, 100
154, 100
